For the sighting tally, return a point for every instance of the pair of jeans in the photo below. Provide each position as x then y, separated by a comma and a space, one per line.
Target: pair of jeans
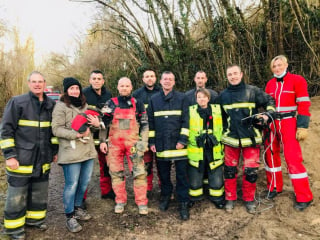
77, 177
182, 183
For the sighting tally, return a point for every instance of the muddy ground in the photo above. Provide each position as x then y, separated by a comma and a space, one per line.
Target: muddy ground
274, 220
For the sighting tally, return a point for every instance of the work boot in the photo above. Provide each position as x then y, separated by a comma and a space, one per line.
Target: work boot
18, 236
143, 209
82, 215
271, 195
109, 195
119, 208
191, 203
220, 204
73, 225
149, 194
230, 205
42, 226
84, 204
251, 207
184, 211
164, 203
300, 206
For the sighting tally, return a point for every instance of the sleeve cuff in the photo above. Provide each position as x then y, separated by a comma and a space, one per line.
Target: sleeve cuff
303, 121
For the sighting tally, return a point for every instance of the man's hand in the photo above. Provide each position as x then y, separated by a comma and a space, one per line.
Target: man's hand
12, 163
104, 147
262, 116
55, 158
301, 134
153, 148
179, 146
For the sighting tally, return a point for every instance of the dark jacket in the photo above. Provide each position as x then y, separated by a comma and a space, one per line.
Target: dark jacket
144, 94
168, 125
191, 97
26, 134
239, 102
95, 100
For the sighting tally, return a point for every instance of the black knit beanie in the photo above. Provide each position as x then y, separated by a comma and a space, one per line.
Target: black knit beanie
69, 81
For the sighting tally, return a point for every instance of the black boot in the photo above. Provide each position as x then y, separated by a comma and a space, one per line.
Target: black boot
300, 206
184, 211
109, 195
164, 203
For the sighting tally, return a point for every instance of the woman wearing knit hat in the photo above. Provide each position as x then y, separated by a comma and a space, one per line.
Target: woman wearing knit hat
76, 160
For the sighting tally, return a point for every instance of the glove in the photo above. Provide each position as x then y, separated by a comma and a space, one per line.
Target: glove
301, 134
141, 146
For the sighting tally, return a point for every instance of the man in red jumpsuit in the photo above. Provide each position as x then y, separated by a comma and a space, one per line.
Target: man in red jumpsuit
288, 128
127, 122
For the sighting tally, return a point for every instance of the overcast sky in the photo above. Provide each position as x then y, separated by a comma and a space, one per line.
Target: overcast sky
53, 24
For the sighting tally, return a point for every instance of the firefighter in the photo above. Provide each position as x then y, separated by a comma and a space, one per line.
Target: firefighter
97, 95
26, 145
241, 101
290, 126
144, 94
168, 136
200, 80
127, 121
205, 151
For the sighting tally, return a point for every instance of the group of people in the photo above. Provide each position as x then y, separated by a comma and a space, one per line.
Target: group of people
201, 132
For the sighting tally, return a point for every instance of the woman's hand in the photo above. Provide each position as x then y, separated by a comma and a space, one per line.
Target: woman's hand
93, 121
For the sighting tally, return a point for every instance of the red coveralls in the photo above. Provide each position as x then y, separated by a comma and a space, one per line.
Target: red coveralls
290, 94
123, 135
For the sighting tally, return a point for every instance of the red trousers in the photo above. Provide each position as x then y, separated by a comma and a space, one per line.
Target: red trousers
115, 159
285, 134
105, 179
250, 160
149, 158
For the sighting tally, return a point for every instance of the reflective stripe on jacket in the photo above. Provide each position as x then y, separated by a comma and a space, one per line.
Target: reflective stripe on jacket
291, 94
26, 134
239, 102
196, 128
168, 125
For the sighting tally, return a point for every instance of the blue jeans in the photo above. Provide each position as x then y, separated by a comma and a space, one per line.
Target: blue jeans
77, 177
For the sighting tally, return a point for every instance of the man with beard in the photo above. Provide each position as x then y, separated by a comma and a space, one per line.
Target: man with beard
200, 80
144, 94
97, 95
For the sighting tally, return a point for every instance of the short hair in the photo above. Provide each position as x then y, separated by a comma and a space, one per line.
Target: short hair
97, 72
167, 72
204, 91
125, 78
234, 65
148, 70
200, 71
281, 57
35, 73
